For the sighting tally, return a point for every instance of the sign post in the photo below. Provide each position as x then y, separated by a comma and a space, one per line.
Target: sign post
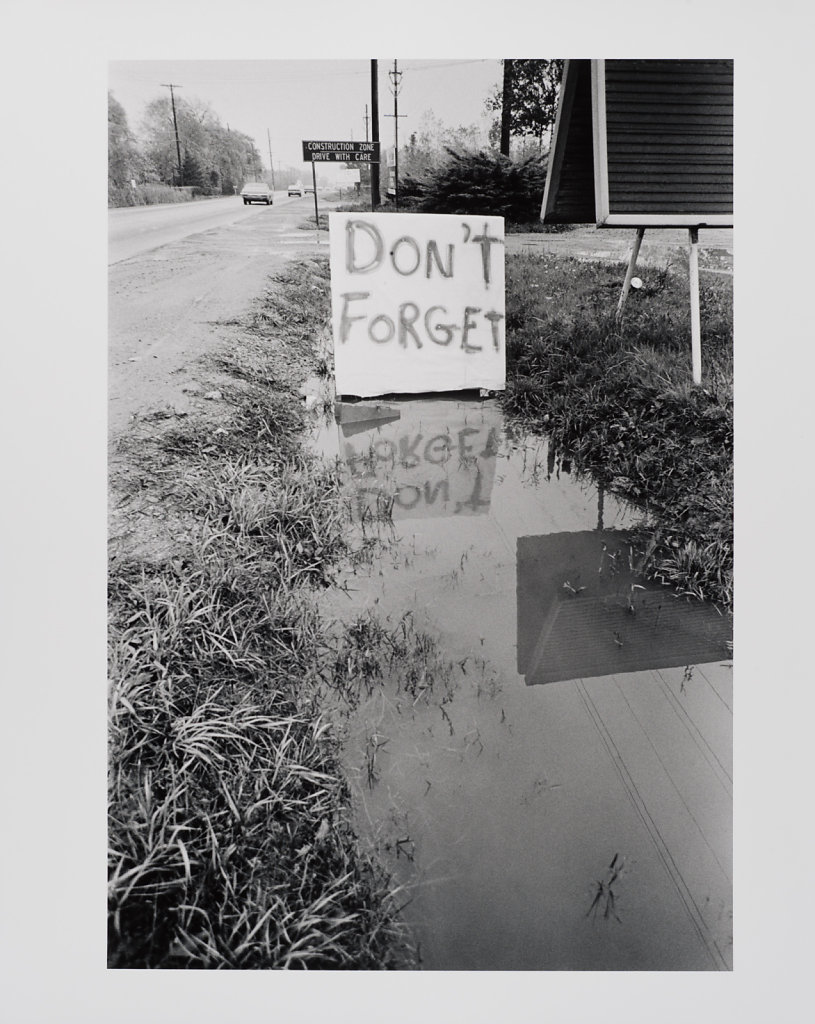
316, 210
337, 152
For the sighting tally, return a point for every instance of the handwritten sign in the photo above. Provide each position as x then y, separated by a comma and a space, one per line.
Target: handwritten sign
417, 302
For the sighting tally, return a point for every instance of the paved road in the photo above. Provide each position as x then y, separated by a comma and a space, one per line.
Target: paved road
138, 229
178, 288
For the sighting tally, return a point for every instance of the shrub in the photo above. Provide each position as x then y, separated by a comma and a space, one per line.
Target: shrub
485, 183
149, 194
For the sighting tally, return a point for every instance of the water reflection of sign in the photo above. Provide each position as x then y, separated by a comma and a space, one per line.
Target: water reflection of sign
437, 464
417, 302
583, 611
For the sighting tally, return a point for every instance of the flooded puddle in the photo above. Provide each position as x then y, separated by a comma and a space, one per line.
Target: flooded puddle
552, 786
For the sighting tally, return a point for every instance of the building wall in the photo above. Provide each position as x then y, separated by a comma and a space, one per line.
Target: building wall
575, 190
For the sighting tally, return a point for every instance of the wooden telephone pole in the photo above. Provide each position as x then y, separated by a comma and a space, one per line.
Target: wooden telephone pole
396, 85
171, 86
375, 197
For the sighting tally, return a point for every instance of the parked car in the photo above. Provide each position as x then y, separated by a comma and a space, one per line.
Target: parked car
296, 189
309, 188
257, 192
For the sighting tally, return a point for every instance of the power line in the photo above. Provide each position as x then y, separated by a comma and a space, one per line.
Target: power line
254, 75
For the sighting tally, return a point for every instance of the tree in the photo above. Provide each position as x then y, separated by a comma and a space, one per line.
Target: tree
232, 155
427, 148
124, 159
532, 106
193, 175
506, 106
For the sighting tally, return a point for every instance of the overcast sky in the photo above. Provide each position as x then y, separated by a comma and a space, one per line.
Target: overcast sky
311, 99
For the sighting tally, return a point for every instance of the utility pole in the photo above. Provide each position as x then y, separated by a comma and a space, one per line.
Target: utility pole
366, 122
506, 106
271, 165
375, 198
171, 86
396, 84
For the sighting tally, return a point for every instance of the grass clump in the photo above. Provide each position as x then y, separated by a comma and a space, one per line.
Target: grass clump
372, 653
230, 843
618, 398
229, 824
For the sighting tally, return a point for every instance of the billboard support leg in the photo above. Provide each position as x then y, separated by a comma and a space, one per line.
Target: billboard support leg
695, 319
632, 264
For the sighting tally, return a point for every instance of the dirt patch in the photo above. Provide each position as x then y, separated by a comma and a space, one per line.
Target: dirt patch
170, 306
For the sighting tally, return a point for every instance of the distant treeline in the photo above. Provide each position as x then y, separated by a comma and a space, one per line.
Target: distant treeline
215, 160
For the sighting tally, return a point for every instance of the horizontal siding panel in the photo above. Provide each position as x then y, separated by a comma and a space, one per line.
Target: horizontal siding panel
634, 182
633, 194
696, 82
671, 134
671, 204
657, 71
710, 89
668, 163
644, 70
655, 144
622, 105
671, 193
667, 215
664, 121
662, 141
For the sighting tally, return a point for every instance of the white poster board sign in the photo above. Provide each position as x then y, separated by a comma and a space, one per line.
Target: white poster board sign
417, 302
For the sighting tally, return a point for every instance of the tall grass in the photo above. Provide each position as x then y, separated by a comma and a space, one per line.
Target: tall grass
229, 824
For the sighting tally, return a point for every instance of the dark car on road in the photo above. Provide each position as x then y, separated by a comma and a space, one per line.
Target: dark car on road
257, 192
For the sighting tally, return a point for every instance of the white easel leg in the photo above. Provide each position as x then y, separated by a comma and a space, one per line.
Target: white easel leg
632, 263
695, 319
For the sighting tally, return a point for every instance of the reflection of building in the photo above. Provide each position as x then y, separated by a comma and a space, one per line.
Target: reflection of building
583, 611
435, 459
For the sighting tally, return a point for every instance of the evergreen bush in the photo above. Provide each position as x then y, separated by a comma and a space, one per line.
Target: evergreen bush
485, 183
